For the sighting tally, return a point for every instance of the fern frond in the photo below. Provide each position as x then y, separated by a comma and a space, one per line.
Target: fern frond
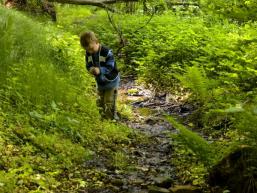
195, 142
196, 80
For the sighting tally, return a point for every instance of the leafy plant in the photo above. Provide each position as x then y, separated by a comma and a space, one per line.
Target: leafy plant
195, 142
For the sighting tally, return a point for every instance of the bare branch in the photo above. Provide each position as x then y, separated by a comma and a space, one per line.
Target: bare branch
182, 4
119, 31
151, 17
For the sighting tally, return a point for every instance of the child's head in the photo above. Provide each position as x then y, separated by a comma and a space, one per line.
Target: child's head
89, 42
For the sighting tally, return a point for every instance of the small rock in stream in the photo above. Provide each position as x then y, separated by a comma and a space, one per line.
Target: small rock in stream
185, 189
163, 181
138, 181
156, 189
117, 182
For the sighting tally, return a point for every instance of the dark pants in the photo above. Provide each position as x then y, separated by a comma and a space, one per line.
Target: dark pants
106, 103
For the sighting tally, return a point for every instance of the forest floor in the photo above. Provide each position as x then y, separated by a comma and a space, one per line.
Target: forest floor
145, 164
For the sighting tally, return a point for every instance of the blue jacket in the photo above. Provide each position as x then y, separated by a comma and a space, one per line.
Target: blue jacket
109, 75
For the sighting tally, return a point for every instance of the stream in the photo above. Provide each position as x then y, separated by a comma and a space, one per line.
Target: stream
152, 171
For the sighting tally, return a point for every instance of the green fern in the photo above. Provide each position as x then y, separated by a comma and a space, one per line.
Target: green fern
246, 123
195, 142
196, 80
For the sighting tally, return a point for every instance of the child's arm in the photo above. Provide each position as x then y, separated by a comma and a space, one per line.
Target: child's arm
110, 62
90, 67
89, 62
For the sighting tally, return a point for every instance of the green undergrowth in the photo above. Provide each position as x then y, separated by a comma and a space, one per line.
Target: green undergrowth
212, 57
195, 154
49, 122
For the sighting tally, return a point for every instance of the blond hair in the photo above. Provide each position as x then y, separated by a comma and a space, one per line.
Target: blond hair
87, 37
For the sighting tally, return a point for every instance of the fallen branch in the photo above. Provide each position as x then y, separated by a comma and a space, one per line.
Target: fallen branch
99, 3
182, 4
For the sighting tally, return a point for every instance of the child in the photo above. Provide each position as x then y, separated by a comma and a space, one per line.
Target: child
100, 63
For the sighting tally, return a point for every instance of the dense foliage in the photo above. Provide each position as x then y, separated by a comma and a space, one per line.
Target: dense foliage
207, 51
238, 10
211, 54
49, 123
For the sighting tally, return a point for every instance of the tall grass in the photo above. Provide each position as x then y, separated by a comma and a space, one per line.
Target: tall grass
49, 122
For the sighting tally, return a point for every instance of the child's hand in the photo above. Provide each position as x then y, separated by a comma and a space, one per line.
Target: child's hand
94, 70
